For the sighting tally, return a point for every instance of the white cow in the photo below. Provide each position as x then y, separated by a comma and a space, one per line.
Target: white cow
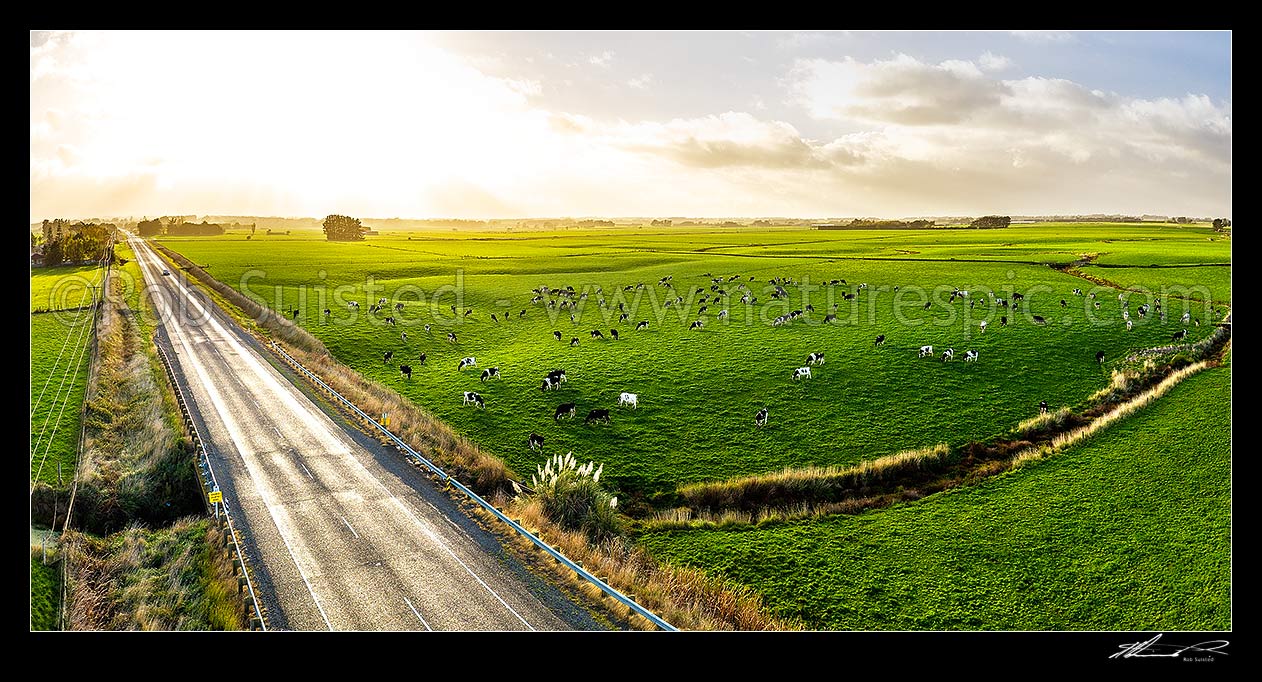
802, 373
631, 399
1129, 324
815, 359
948, 354
467, 362
926, 351
983, 326
970, 355
471, 398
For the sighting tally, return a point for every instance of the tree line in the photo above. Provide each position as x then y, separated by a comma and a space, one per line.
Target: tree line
66, 242
177, 226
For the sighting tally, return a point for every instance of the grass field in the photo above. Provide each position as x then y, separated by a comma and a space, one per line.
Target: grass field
59, 374
45, 592
1130, 530
698, 390
63, 287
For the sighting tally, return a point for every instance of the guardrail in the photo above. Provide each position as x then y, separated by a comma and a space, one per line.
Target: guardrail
450, 480
211, 484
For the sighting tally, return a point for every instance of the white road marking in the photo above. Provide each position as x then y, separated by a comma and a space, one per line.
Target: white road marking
348, 525
449, 521
277, 432
304, 468
417, 614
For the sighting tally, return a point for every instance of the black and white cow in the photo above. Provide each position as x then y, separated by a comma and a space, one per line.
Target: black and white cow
723, 313
573, 342
970, 356
1179, 335
643, 324
925, 351
597, 335
1017, 297
830, 318
556, 335
948, 354
467, 362
422, 358
557, 376
404, 336
597, 416
406, 370
623, 317
471, 398
1003, 321
696, 325
802, 373
565, 410
451, 337
760, 418
613, 333
1099, 357
879, 340
815, 359
490, 373
535, 441
1043, 404
1039, 320
386, 358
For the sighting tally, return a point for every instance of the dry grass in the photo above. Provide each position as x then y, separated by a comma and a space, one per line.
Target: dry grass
686, 598
784, 490
174, 578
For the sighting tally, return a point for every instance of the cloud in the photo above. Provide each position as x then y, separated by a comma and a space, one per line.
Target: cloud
602, 60
993, 62
1015, 135
728, 140
900, 90
641, 82
1045, 37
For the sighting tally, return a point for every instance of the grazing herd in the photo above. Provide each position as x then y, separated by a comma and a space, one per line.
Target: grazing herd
566, 298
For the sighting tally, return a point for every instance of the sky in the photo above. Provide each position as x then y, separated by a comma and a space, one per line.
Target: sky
500, 124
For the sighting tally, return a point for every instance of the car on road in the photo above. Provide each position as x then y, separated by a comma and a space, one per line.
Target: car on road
166, 272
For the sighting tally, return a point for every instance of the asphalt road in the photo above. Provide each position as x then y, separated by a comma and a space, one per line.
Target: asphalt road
340, 533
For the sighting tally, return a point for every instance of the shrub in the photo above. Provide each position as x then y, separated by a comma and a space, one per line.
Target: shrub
571, 496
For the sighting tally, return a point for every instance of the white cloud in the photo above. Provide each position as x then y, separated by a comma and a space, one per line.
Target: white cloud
993, 62
1044, 37
641, 82
602, 59
898, 90
1074, 142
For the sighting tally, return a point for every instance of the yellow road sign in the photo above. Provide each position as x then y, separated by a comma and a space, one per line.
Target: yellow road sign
216, 496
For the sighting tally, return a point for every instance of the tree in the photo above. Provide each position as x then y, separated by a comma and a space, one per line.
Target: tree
341, 228
991, 221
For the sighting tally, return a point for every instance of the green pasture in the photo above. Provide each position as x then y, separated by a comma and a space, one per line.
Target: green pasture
1130, 530
698, 390
63, 287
